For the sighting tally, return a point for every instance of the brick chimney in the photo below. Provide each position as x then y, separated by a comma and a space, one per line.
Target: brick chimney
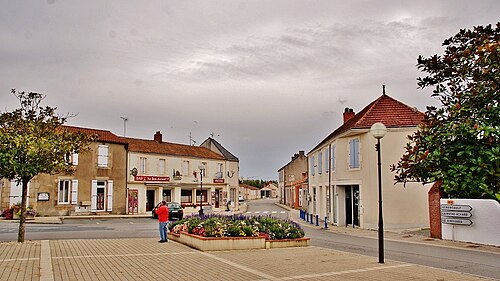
348, 114
158, 137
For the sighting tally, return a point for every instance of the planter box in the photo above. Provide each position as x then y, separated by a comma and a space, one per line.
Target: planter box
234, 243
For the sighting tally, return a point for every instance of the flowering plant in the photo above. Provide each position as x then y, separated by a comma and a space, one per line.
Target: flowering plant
239, 226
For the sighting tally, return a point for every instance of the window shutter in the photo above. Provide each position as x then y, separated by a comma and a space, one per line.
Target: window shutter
75, 159
93, 205
327, 160
110, 195
74, 192
102, 156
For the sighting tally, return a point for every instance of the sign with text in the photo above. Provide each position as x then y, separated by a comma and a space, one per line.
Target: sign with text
456, 214
460, 208
151, 178
456, 221
218, 180
43, 196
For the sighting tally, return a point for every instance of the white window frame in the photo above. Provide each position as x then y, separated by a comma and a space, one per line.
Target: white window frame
334, 157
320, 162
64, 192
142, 165
185, 167
356, 155
102, 156
162, 166
311, 164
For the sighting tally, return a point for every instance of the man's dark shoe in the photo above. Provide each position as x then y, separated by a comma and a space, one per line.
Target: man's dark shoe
162, 241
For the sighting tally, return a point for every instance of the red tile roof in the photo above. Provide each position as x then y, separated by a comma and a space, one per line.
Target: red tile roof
247, 186
151, 146
391, 112
102, 135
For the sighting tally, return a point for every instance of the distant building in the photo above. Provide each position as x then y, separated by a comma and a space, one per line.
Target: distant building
288, 174
270, 190
343, 170
249, 192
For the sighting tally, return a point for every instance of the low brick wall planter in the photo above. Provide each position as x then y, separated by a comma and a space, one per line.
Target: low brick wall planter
234, 243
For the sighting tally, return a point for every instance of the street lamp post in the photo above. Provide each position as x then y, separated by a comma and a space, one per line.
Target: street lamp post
378, 131
202, 168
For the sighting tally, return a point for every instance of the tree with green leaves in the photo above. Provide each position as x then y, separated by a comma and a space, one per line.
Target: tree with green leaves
33, 140
458, 144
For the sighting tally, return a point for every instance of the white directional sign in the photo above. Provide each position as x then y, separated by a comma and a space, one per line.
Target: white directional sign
456, 221
460, 208
456, 214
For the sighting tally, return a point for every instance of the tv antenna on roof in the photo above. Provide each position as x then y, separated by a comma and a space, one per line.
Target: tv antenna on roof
125, 119
212, 135
191, 140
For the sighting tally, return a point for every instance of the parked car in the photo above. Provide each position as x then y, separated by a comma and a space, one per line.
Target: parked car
241, 198
175, 211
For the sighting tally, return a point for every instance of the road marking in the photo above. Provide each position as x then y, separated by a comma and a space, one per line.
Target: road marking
122, 255
317, 275
265, 212
46, 271
274, 212
258, 212
282, 212
242, 267
248, 212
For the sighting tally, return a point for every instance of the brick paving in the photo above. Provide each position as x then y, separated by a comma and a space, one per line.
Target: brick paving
146, 259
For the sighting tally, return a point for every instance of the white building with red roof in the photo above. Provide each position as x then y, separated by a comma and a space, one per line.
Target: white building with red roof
342, 170
160, 170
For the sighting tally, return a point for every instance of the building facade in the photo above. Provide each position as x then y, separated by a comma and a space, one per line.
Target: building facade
289, 174
343, 184
189, 175
98, 184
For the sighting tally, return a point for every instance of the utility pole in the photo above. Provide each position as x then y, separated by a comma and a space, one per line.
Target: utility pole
191, 140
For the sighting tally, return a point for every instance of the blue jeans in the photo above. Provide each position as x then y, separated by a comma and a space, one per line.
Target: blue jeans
163, 231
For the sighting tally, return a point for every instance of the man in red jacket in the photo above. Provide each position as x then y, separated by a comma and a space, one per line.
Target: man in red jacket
162, 213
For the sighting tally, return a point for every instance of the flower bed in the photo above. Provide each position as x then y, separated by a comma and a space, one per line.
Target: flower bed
218, 233
239, 226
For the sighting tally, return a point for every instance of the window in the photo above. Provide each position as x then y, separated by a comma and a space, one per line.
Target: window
334, 155
327, 161
72, 159
186, 197
204, 171
354, 153
312, 165
185, 168
220, 168
143, 165
64, 190
102, 156
161, 167
198, 194
320, 162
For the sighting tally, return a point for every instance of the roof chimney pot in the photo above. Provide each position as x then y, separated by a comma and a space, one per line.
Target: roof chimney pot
348, 114
158, 137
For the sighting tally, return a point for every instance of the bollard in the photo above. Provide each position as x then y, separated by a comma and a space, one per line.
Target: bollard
326, 222
317, 220
307, 217
301, 214
312, 218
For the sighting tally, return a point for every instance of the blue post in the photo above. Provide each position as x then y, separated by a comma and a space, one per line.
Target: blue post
312, 219
317, 220
326, 222
300, 213
307, 217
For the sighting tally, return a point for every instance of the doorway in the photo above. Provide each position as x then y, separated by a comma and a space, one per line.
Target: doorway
101, 192
352, 205
150, 200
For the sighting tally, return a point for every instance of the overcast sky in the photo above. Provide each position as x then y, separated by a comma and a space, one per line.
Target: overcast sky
268, 78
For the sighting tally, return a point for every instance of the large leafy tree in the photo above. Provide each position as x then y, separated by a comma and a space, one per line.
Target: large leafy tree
33, 141
458, 143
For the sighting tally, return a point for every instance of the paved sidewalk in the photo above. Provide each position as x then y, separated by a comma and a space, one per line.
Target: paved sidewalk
408, 235
146, 259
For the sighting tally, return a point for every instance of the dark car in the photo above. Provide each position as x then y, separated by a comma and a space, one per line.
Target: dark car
175, 211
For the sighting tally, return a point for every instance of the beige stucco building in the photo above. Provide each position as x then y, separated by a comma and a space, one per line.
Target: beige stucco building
96, 186
159, 170
343, 185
